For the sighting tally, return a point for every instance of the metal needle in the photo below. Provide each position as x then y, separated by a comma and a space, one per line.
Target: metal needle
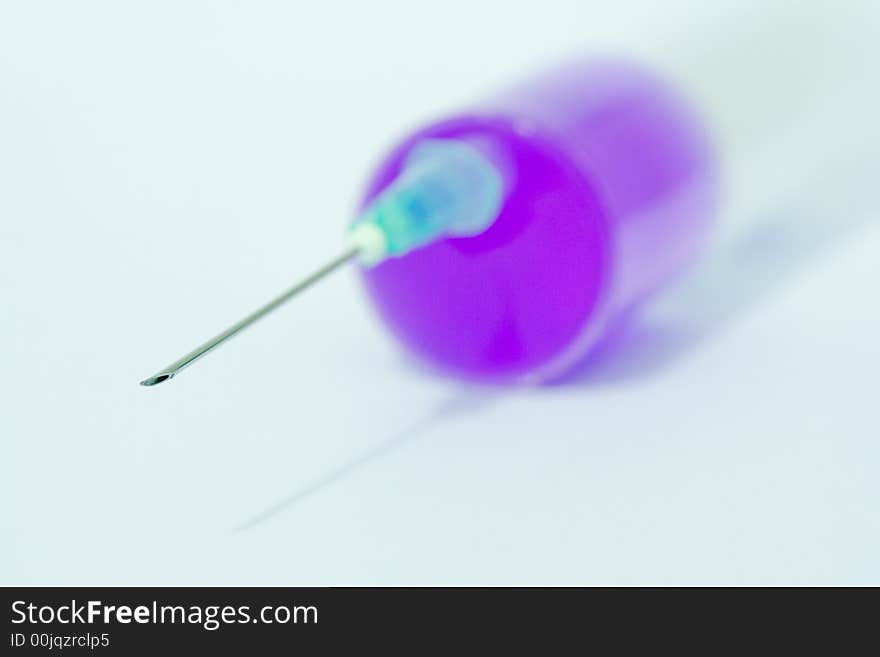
216, 341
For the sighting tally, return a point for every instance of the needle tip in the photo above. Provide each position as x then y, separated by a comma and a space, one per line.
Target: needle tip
200, 351
156, 378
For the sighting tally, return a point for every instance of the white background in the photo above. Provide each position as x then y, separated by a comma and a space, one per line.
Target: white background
167, 166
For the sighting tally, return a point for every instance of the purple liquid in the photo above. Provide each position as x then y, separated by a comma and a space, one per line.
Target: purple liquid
610, 185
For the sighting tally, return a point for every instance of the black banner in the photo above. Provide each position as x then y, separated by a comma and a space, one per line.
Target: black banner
133, 621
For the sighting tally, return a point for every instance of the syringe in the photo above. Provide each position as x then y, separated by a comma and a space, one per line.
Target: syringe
502, 243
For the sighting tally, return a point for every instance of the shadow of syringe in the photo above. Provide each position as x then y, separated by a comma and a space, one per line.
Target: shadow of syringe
742, 273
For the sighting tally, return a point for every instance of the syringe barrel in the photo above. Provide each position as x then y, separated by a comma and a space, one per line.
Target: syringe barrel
610, 189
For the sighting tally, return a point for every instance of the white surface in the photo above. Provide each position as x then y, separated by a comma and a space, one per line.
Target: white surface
159, 163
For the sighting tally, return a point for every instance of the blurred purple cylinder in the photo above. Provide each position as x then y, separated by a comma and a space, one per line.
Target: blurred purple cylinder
610, 191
